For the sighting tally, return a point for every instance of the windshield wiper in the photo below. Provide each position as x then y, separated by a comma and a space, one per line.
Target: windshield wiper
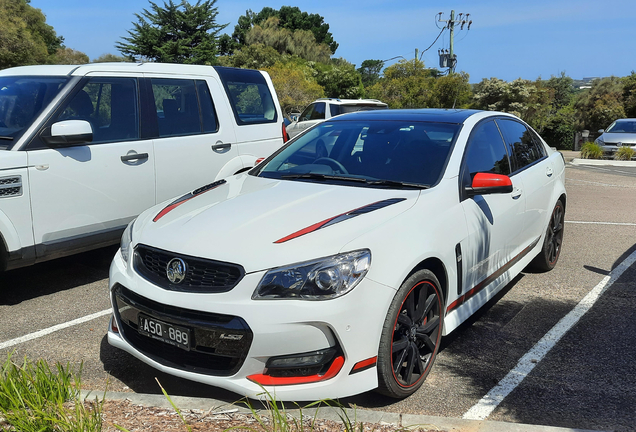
9, 138
395, 183
316, 176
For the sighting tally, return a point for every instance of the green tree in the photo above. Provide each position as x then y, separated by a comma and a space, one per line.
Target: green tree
600, 105
290, 18
174, 33
253, 57
110, 58
25, 37
406, 84
295, 86
370, 71
69, 56
562, 90
299, 42
451, 91
629, 95
339, 78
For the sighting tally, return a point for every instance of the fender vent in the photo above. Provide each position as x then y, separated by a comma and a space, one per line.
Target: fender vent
10, 186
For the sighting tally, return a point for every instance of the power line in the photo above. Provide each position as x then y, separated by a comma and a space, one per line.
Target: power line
440, 33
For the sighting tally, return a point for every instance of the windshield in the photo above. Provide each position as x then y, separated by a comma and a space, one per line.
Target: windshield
367, 153
21, 100
622, 126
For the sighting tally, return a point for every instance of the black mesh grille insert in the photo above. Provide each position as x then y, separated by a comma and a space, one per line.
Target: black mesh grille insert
219, 344
10, 186
202, 276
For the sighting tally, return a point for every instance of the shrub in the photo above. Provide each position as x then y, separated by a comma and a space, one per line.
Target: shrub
624, 153
591, 150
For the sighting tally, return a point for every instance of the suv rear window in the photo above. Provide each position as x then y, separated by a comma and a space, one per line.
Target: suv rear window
249, 95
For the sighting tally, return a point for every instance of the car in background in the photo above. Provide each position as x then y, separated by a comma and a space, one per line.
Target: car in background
85, 149
323, 109
336, 265
621, 133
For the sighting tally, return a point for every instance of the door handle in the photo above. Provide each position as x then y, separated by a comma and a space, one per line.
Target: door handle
516, 193
134, 156
221, 147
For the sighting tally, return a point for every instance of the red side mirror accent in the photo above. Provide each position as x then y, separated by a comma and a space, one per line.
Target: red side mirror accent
488, 180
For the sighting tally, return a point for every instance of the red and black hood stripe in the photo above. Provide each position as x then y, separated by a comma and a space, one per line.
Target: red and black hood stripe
187, 197
341, 217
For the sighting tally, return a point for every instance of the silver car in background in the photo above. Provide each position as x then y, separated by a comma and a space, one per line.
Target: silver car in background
621, 133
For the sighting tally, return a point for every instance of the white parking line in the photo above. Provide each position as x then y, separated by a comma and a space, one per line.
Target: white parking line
47, 331
497, 394
602, 223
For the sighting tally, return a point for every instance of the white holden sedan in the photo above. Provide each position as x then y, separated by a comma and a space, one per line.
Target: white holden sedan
336, 265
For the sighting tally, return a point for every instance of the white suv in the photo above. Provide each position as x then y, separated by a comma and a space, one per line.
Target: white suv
85, 149
323, 109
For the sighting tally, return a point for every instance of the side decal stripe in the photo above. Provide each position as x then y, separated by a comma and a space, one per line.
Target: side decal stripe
187, 197
484, 283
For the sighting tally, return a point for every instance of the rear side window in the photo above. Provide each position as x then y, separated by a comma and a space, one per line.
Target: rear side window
524, 148
184, 107
249, 95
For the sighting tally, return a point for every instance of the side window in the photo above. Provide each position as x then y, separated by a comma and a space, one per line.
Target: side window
249, 95
485, 152
210, 123
109, 105
319, 111
307, 113
334, 110
523, 147
177, 107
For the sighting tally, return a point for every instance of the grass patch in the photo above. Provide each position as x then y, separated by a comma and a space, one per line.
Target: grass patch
591, 150
36, 398
624, 153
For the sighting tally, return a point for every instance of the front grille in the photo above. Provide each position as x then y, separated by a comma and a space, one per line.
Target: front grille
10, 186
219, 344
202, 276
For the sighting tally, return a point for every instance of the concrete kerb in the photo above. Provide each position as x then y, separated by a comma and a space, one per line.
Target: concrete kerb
401, 421
603, 162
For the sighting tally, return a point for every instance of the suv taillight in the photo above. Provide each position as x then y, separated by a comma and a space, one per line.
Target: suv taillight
285, 135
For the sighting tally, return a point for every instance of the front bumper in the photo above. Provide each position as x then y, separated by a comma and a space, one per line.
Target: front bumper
267, 328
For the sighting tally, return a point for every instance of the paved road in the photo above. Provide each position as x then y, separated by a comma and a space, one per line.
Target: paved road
586, 381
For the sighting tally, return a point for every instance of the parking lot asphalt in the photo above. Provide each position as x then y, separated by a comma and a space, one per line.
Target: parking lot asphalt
586, 381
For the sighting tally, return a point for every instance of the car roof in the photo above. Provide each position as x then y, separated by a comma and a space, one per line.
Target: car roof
82, 70
424, 115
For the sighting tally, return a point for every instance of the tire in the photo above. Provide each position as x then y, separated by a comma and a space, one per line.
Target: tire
549, 255
411, 335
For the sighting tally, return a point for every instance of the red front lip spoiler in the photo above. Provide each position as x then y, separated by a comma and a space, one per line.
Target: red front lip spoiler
267, 380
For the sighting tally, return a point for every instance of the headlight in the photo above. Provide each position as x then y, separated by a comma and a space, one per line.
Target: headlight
599, 141
321, 279
126, 240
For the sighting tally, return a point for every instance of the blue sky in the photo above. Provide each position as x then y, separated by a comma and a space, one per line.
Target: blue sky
509, 39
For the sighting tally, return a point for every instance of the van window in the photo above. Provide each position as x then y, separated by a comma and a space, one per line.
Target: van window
249, 95
109, 105
177, 107
22, 99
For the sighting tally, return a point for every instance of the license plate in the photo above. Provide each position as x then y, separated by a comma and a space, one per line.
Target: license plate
165, 332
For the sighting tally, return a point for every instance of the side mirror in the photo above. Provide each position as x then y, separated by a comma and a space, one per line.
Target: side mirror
68, 133
601, 131
294, 118
489, 183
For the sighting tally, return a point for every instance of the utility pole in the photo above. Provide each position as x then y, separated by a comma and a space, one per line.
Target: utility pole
449, 59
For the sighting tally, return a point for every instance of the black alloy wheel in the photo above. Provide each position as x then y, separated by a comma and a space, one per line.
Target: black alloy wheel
411, 336
549, 255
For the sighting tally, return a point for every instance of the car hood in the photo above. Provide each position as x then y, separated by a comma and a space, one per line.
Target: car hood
625, 138
262, 223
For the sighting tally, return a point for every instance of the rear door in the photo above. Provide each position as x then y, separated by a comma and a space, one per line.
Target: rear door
195, 139
83, 196
531, 165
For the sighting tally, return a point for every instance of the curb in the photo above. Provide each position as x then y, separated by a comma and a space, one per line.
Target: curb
603, 162
402, 421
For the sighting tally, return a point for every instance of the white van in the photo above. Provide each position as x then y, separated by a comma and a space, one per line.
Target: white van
85, 149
